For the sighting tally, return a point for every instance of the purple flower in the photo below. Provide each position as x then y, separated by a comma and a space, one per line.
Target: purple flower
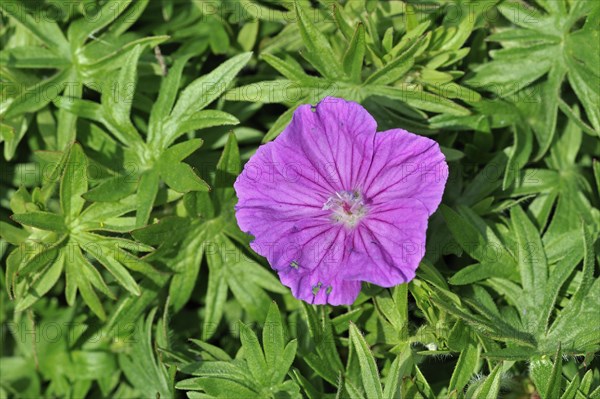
332, 203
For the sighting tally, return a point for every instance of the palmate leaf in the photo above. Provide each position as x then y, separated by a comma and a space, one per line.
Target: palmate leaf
486, 325
560, 186
535, 294
346, 74
260, 372
77, 63
36, 265
156, 158
536, 49
210, 232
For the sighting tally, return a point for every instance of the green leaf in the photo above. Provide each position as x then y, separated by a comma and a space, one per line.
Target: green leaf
398, 67
248, 35
547, 376
88, 26
44, 29
368, 367
250, 296
82, 282
500, 263
74, 183
253, 353
120, 54
41, 220
394, 309
495, 328
319, 49
83, 108
462, 33
354, 56
290, 69
32, 57
583, 76
418, 99
326, 361
112, 189
166, 98
207, 88
422, 385
12, 234
30, 100
179, 152
182, 178
216, 292
532, 266
401, 367
41, 285
273, 337
521, 150
272, 91
490, 387
466, 366
548, 107
573, 116
117, 97
228, 168
571, 390
513, 69
142, 368
202, 120
146, 195
587, 274
103, 254
596, 166
40, 260
186, 263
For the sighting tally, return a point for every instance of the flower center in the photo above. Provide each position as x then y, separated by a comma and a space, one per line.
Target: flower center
346, 207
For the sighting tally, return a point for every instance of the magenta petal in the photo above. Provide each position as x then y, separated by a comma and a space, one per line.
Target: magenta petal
407, 166
332, 203
310, 261
270, 204
391, 241
333, 140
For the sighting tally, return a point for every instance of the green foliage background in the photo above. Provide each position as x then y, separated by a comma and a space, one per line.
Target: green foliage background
124, 124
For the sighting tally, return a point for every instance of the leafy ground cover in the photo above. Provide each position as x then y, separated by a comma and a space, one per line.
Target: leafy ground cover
125, 123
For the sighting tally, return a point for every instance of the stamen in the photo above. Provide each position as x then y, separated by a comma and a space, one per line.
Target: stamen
347, 207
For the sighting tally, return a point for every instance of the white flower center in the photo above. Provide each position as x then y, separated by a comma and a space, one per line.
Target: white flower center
346, 207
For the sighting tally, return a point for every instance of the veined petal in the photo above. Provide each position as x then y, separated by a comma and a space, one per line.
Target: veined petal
335, 138
388, 245
407, 166
271, 203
